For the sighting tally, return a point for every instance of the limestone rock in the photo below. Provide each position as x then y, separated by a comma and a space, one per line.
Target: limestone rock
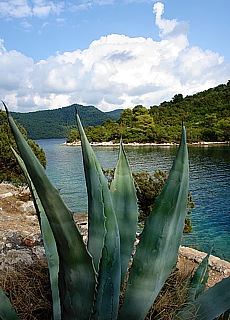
19, 248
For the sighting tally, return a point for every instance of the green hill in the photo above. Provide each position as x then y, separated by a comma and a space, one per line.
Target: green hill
206, 116
115, 114
57, 123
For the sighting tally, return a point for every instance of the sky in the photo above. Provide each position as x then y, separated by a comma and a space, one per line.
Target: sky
112, 54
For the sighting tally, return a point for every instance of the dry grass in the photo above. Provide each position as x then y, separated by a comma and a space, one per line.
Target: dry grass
28, 289
171, 298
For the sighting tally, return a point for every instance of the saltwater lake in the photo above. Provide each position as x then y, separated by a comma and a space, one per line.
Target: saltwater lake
209, 184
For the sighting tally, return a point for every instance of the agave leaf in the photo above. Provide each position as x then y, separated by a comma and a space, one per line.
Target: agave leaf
7, 311
210, 304
123, 193
49, 242
76, 273
96, 215
157, 251
104, 239
199, 279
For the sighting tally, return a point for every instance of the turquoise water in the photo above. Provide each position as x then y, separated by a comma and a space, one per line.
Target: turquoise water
209, 184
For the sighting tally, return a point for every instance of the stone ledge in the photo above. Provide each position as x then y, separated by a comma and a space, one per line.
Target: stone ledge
23, 247
215, 263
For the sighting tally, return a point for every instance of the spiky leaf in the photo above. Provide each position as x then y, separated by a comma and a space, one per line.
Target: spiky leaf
76, 275
199, 279
157, 251
7, 311
124, 198
210, 304
104, 240
48, 240
96, 215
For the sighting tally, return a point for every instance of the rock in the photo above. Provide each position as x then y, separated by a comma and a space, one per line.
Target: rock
214, 263
19, 248
13, 257
6, 195
27, 207
39, 252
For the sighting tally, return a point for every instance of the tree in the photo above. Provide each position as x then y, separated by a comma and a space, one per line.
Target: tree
143, 128
148, 189
9, 168
177, 98
73, 136
126, 117
223, 129
139, 109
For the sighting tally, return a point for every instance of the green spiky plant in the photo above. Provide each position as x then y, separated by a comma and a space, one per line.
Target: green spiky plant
86, 279
205, 305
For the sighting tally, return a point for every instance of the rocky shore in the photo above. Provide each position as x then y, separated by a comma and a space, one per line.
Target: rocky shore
149, 144
114, 144
21, 241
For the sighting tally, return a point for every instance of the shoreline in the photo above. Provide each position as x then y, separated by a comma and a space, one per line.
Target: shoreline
148, 144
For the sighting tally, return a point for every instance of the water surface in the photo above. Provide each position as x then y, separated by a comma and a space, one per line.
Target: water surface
209, 184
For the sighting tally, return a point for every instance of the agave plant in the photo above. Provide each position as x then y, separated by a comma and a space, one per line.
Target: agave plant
86, 280
206, 305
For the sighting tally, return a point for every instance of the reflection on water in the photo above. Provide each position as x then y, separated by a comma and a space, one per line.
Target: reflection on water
209, 184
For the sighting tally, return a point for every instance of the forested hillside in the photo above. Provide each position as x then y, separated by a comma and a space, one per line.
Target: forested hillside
206, 116
58, 123
115, 114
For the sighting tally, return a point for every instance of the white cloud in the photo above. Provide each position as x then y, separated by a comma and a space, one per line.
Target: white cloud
113, 72
60, 21
16, 69
15, 8
43, 8
26, 25
25, 8
2, 47
172, 30
87, 4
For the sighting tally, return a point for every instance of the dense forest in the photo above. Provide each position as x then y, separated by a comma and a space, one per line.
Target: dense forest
206, 116
57, 123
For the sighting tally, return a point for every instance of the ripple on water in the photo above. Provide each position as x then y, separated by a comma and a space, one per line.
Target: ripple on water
209, 184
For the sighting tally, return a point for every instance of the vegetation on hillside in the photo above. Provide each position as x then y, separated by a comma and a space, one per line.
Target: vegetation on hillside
57, 123
206, 116
9, 168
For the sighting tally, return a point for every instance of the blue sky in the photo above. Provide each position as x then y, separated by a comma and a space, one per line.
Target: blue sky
110, 54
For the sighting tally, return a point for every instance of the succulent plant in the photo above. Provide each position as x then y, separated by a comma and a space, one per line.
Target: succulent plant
205, 304
86, 280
